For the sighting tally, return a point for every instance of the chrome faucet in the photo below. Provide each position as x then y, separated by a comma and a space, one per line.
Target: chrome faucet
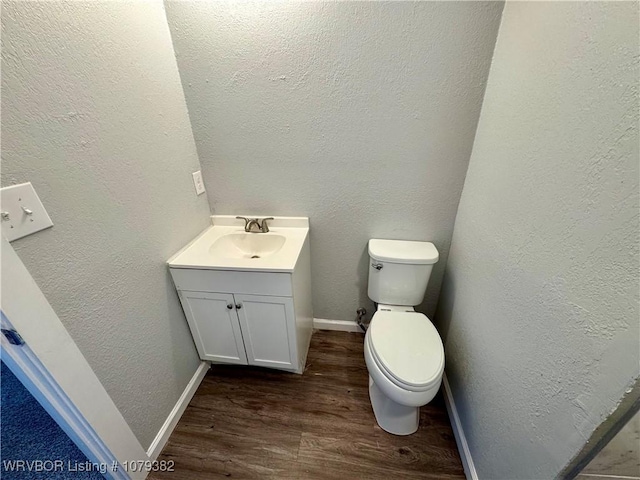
261, 224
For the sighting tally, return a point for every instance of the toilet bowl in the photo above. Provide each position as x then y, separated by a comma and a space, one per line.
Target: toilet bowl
405, 360
402, 350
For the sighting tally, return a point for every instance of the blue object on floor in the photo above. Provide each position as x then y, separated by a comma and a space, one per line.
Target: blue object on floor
29, 433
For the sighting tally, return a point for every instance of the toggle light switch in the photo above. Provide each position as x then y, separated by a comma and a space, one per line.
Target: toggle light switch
22, 212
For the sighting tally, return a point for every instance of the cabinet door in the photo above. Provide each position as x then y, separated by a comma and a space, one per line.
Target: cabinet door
214, 326
268, 329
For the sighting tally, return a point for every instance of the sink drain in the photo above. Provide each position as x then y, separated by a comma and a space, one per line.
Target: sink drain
255, 256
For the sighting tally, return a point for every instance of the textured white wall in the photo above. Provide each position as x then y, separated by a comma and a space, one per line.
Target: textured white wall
359, 115
540, 301
94, 115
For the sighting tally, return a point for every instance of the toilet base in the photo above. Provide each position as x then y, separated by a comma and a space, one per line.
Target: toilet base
391, 416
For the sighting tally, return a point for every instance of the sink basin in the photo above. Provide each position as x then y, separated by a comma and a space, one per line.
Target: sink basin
226, 246
247, 245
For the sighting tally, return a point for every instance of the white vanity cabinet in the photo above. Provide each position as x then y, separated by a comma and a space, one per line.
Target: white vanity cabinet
268, 328
214, 325
245, 317
242, 329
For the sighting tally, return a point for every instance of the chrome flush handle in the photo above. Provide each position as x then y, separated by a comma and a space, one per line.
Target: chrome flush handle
377, 266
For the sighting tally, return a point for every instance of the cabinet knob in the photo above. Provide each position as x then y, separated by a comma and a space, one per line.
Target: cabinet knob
229, 306
238, 306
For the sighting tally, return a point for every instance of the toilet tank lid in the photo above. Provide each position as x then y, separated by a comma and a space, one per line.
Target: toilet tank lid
403, 251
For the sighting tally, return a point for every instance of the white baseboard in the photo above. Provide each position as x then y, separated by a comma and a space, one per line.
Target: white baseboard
174, 416
461, 440
338, 325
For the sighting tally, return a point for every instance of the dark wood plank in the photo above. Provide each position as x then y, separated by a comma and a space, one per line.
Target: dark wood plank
369, 458
246, 422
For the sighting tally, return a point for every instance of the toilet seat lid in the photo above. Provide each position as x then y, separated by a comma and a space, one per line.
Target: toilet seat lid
408, 347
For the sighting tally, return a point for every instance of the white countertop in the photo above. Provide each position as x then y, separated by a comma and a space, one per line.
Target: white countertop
196, 254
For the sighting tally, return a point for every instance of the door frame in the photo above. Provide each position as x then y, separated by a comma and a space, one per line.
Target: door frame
53, 369
24, 364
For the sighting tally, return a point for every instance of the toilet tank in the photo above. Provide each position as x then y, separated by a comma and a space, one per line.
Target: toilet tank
399, 271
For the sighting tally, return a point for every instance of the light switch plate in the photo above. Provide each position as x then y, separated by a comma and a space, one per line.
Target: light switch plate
22, 212
198, 183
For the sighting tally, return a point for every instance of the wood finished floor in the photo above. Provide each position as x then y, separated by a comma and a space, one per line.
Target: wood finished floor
254, 423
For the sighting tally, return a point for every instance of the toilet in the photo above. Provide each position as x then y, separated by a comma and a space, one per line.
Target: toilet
403, 350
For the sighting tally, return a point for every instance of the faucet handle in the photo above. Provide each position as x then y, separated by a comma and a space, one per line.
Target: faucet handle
264, 227
246, 221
